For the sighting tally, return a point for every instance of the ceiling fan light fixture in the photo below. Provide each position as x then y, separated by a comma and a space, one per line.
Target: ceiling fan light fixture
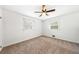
44, 10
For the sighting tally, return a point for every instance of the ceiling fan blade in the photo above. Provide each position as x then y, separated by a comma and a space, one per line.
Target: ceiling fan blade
38, 12
51, 10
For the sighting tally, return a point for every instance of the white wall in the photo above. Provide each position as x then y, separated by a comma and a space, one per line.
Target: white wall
1, 32
68, 27
13, 28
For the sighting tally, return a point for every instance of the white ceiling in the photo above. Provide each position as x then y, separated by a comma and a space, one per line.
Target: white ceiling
30, 9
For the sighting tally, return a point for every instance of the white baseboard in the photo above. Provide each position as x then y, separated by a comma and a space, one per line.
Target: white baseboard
20, 41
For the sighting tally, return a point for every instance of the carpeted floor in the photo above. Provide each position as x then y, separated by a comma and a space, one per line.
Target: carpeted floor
42, 45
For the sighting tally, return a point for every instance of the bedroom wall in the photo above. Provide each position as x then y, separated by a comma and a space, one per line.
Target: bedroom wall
68, 27
13, 28
1, 32
13, 31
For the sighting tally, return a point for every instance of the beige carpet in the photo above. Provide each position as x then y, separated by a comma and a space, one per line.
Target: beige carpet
42, 45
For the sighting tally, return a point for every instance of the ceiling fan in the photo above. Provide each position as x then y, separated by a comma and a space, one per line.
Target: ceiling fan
44, 10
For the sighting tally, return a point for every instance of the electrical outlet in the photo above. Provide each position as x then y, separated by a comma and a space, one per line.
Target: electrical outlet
53, 35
